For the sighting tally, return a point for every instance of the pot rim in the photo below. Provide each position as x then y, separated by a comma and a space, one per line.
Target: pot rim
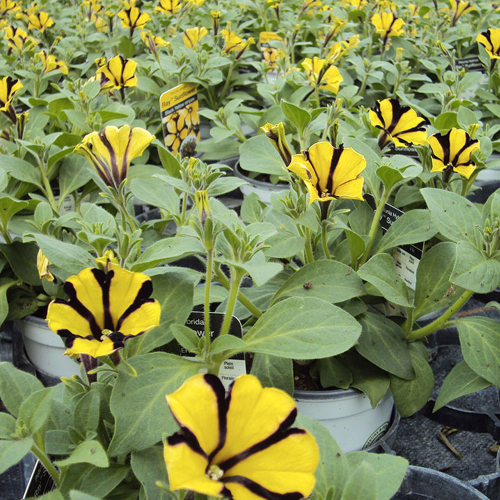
330, 394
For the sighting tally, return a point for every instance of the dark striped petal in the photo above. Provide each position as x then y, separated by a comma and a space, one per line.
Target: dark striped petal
453, 151
282, 471
254, 417
8, 89
387, 24
100, 314
401, 124
187, 466
199, 405
169, 6
491, 41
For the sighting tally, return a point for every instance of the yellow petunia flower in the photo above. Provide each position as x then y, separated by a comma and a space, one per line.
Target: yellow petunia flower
399, 124
133, 19
387, 24
240, 446
459, 8
192, 37
7, 7
18, 39
452, 152
120, 72
42, 264
107, 261
40, 21
111, 151
8, 89
323, 74
232, 41
330, 173
170, 7
490, 40
104, 309
50, 63
215, 15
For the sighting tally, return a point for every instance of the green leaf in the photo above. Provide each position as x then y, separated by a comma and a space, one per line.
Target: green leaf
258, 155
16, 386
11, 452
167, 250
459, 382
284, 244
170, 163
466, 117
35, 410
259, 270
26, 172
224, 185
474, 271
186, 337
357, 245
174, 292
251, 208
74, 174
86, 415
78, 119
480, 346
138, 403
323, 279
361, 483
333, 373
78, 495
411, 395
412, 227
333, 468
5, 284
434, 290
7, 425
367, 377
303, 328
22, 260
299, 117
68, 257
155, 193
88, 452
380, 271
226, 343
148, 85
58, 442
52, 495
273, 372
447, 120
148, 466
382, 342
455, 217
9, 207
390, 471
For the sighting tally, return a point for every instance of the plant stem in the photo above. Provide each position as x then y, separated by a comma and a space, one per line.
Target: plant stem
47, 464
324, 242
236, 277
374, 226
226, 84
440, 322
206, 310
48, 189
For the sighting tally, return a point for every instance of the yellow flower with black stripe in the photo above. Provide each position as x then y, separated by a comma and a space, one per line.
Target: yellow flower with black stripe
387, 24
192, 36
322, 74
8, 89
111, 151
240, 446
170, 7
50, 63
40, 21
133, 19
452, 152
103, 311
8, 6
490, 40
231, 41
459, 8
330, 173
18, 39
120, 72
399, 124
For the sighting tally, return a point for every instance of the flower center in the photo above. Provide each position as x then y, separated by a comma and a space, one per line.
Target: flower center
215, 472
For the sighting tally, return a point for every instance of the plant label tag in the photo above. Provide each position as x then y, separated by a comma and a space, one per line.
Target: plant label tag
269, 53
40, 482
470, 64
230, 368
398, 150
406, 257
180, 120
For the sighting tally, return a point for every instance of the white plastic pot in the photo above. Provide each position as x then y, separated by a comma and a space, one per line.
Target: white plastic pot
348, 415
45, 349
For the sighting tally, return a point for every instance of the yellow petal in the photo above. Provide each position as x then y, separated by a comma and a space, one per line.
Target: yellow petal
196, 405
254, 414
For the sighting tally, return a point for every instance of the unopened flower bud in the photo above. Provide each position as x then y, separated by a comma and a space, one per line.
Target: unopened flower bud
276, 134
